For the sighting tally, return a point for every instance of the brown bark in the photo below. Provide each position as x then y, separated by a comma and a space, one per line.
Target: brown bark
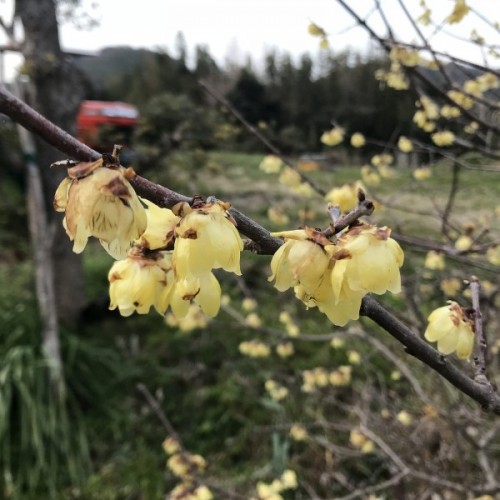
56, 89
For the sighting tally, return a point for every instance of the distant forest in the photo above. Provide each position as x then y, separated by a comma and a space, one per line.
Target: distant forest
293, 101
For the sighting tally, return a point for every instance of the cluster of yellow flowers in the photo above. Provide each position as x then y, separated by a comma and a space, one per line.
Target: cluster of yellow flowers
369, 175
255, 349
291, 327
164, 257
382, 162
404, 56
317, 31
320, 377
336, 276
395, 78
185, 466
452, 329
298, 432
272, 491
333, 137
275, 390
443, 138
361, 442
460, 10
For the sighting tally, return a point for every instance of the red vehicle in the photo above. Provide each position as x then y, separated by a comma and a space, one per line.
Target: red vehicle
101, 124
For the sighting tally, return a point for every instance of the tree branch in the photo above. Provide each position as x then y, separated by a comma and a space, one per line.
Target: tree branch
33, 121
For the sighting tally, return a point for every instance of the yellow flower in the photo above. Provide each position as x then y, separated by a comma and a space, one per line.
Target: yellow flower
358, 140
463, 242
460, 99
206, 239
451, 329
460, 10
422, 173
346, 196
354, 357
170, 445
160, 228
202, 288
395, 375
271, 164
301, 259
443, 138
404, 418
298, 432
471, 128
451, 286
99, 201
277, 216
404, 56
431, 109
341, 376
285, 349
194, 319
333, 137
291, 178
368, 260
142, 280
255, 349
184, 465
315, 30
434, 260
493, 255
248, 304
275, 390
448, 111
360, 441
253, 320
337, 343
369, 176
405, 145
289, 480
324, 43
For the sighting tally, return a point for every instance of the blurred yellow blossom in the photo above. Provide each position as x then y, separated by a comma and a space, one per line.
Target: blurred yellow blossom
434, 260
271, 164
471, 128
277, 216
405, 145
463, 242
253, 320
341, 376
450, 286
358, 140
404, 418
346, 196
290, 178
333, 137
337, 343
443, 138
194, 319
493, 255
285, 349
275, 390
449, 326
448, 111
255, 349
460, 99
354, 357
360, 441
395, 375
298, 432
369, 176
422, 173
170, 445
315, 30
460, 10
248, 304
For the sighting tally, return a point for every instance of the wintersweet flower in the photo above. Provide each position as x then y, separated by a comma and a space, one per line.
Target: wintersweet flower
160, 230
254, 349
285, 349
422, 173
298, 432
370, 176
360, 441
460, 10
99, 201
300, 260
368, 260
443, 138
206, 239
405, 145
434, 260
202, 288
358, 140
142, 280
346, 196
493, 255
271, 164
451, 329
333, 137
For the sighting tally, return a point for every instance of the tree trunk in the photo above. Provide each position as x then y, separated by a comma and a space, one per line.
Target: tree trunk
56, 89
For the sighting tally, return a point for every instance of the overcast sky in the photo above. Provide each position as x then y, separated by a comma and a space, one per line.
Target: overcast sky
233, 28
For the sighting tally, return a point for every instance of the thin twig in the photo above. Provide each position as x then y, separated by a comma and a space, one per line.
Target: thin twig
481, 343
222, 100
